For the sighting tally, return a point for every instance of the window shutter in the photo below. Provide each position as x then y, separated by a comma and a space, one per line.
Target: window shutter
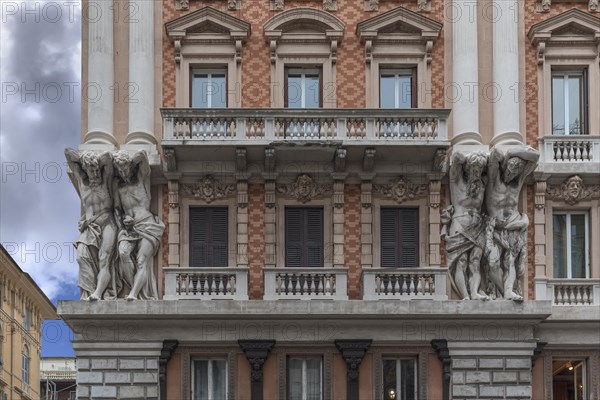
409, 237
314, 237
303, 237
208, 237
389, 237
293, 237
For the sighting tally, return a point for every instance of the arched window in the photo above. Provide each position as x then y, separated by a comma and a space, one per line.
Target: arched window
26, 358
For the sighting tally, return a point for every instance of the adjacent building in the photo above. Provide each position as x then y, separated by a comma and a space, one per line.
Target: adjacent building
23, 309
299, 156
58, 378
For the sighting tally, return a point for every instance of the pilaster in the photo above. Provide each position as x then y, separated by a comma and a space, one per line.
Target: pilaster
353, 352
366, 223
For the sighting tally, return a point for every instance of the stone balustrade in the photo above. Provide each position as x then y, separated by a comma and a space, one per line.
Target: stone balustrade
305, 283
206, 283
242, 125
58, 375
569, 154
417, 283
568, 292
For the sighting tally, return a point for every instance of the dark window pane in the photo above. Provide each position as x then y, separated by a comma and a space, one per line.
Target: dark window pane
208, 236
389, 380
209, 89
558, 105
578, 246
303, 237
559, 234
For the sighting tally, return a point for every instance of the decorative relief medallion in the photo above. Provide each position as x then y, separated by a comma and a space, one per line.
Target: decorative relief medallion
304, 189
208, 189
401, 190
572, 191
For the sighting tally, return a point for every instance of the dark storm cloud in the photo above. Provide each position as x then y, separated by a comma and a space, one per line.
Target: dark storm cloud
39, 117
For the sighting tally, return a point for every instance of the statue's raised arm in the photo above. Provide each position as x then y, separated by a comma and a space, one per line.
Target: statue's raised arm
527, 154
74, 162
140, 159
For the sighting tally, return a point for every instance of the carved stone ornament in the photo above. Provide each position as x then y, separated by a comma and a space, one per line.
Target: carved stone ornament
373, 5
328, 5
545, 5
208, 189
304, 189
401, 190
572, 191
185, 4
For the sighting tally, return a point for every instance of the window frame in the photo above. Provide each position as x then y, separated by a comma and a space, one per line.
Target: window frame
569, 267
401, 71
211, 265
398, 360
398, 263
209, 70
303, 224
304, 358
318, 69
25, 365
209, 359
584, 112
27, 319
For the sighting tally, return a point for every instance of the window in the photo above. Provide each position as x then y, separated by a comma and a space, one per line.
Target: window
303, 237
305, 378
399, 237
398, 88
209, 88
400, 379
25, 365
570, 244
569, 102
303, 87
209, 379
27, 319
568, 379
208, 237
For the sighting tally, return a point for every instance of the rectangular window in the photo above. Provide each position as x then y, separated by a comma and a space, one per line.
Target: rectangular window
569, 380
305, 378
399, 237
569, 102
400, 379
25, 369
209, 88
398, 88
570, 244
27, 319
303, 237
303, 87
209, 379
208, 237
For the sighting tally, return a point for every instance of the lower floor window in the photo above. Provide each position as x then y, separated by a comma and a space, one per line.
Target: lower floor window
209, 379
568, 379
305, 378
399, 379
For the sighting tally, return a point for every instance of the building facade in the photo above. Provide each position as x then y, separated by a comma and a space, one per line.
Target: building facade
23, 309
58, 378
304, 165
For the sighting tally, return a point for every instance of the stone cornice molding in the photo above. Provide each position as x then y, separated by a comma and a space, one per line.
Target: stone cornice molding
572, 191
545, 5
323, 27
185, 4
571, 27
401, 190
208, 189
422, 5
399, 25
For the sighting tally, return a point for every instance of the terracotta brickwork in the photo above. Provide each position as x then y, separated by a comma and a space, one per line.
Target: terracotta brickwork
256, 240
352, 239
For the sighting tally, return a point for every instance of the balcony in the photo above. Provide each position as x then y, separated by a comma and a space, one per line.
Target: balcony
58, 375
568, 292
206, 283
306, 284
404, 284
570, 154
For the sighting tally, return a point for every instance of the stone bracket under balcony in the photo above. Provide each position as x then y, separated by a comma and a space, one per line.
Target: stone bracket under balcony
306, 283
569, 155
404, 283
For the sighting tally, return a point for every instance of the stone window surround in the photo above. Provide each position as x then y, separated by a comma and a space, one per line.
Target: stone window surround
231, 204
421, 204
190, 353
420, 353
582, 52
208, 50
326, 355
592, 207
545, 5
592, 368
385, 50
327, 204
299, 49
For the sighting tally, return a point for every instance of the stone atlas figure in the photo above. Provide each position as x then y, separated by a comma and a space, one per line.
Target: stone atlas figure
464, 223
140, 231
96, 243
507, 259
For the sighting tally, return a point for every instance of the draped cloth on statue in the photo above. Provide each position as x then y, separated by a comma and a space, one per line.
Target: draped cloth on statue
88, 245
511, 236
150, 228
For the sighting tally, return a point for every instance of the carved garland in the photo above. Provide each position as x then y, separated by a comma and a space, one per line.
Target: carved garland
279, 5
185, 4
401, 190
304, 189
373, 5
572, 191
208, 189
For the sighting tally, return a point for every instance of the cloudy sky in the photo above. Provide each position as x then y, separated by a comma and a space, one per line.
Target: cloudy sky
40, 70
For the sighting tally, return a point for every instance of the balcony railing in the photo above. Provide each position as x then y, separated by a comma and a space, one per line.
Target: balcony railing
568, 292
306, 283
206, 283
58, 375
267, 125
570, 149
414, 283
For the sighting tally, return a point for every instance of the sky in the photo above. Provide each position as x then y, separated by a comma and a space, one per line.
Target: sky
40, 76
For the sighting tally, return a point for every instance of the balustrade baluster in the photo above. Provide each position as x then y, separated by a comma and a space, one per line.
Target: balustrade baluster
378, 284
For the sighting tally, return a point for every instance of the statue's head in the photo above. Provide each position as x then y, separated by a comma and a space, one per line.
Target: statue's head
573, 187
514, 167
304, 184
123, 165
475, 168
91, 166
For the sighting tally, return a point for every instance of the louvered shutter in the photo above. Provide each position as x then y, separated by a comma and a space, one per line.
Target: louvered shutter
389, 237
293, 237
314, 237
409, 237
208, 237
303, 237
